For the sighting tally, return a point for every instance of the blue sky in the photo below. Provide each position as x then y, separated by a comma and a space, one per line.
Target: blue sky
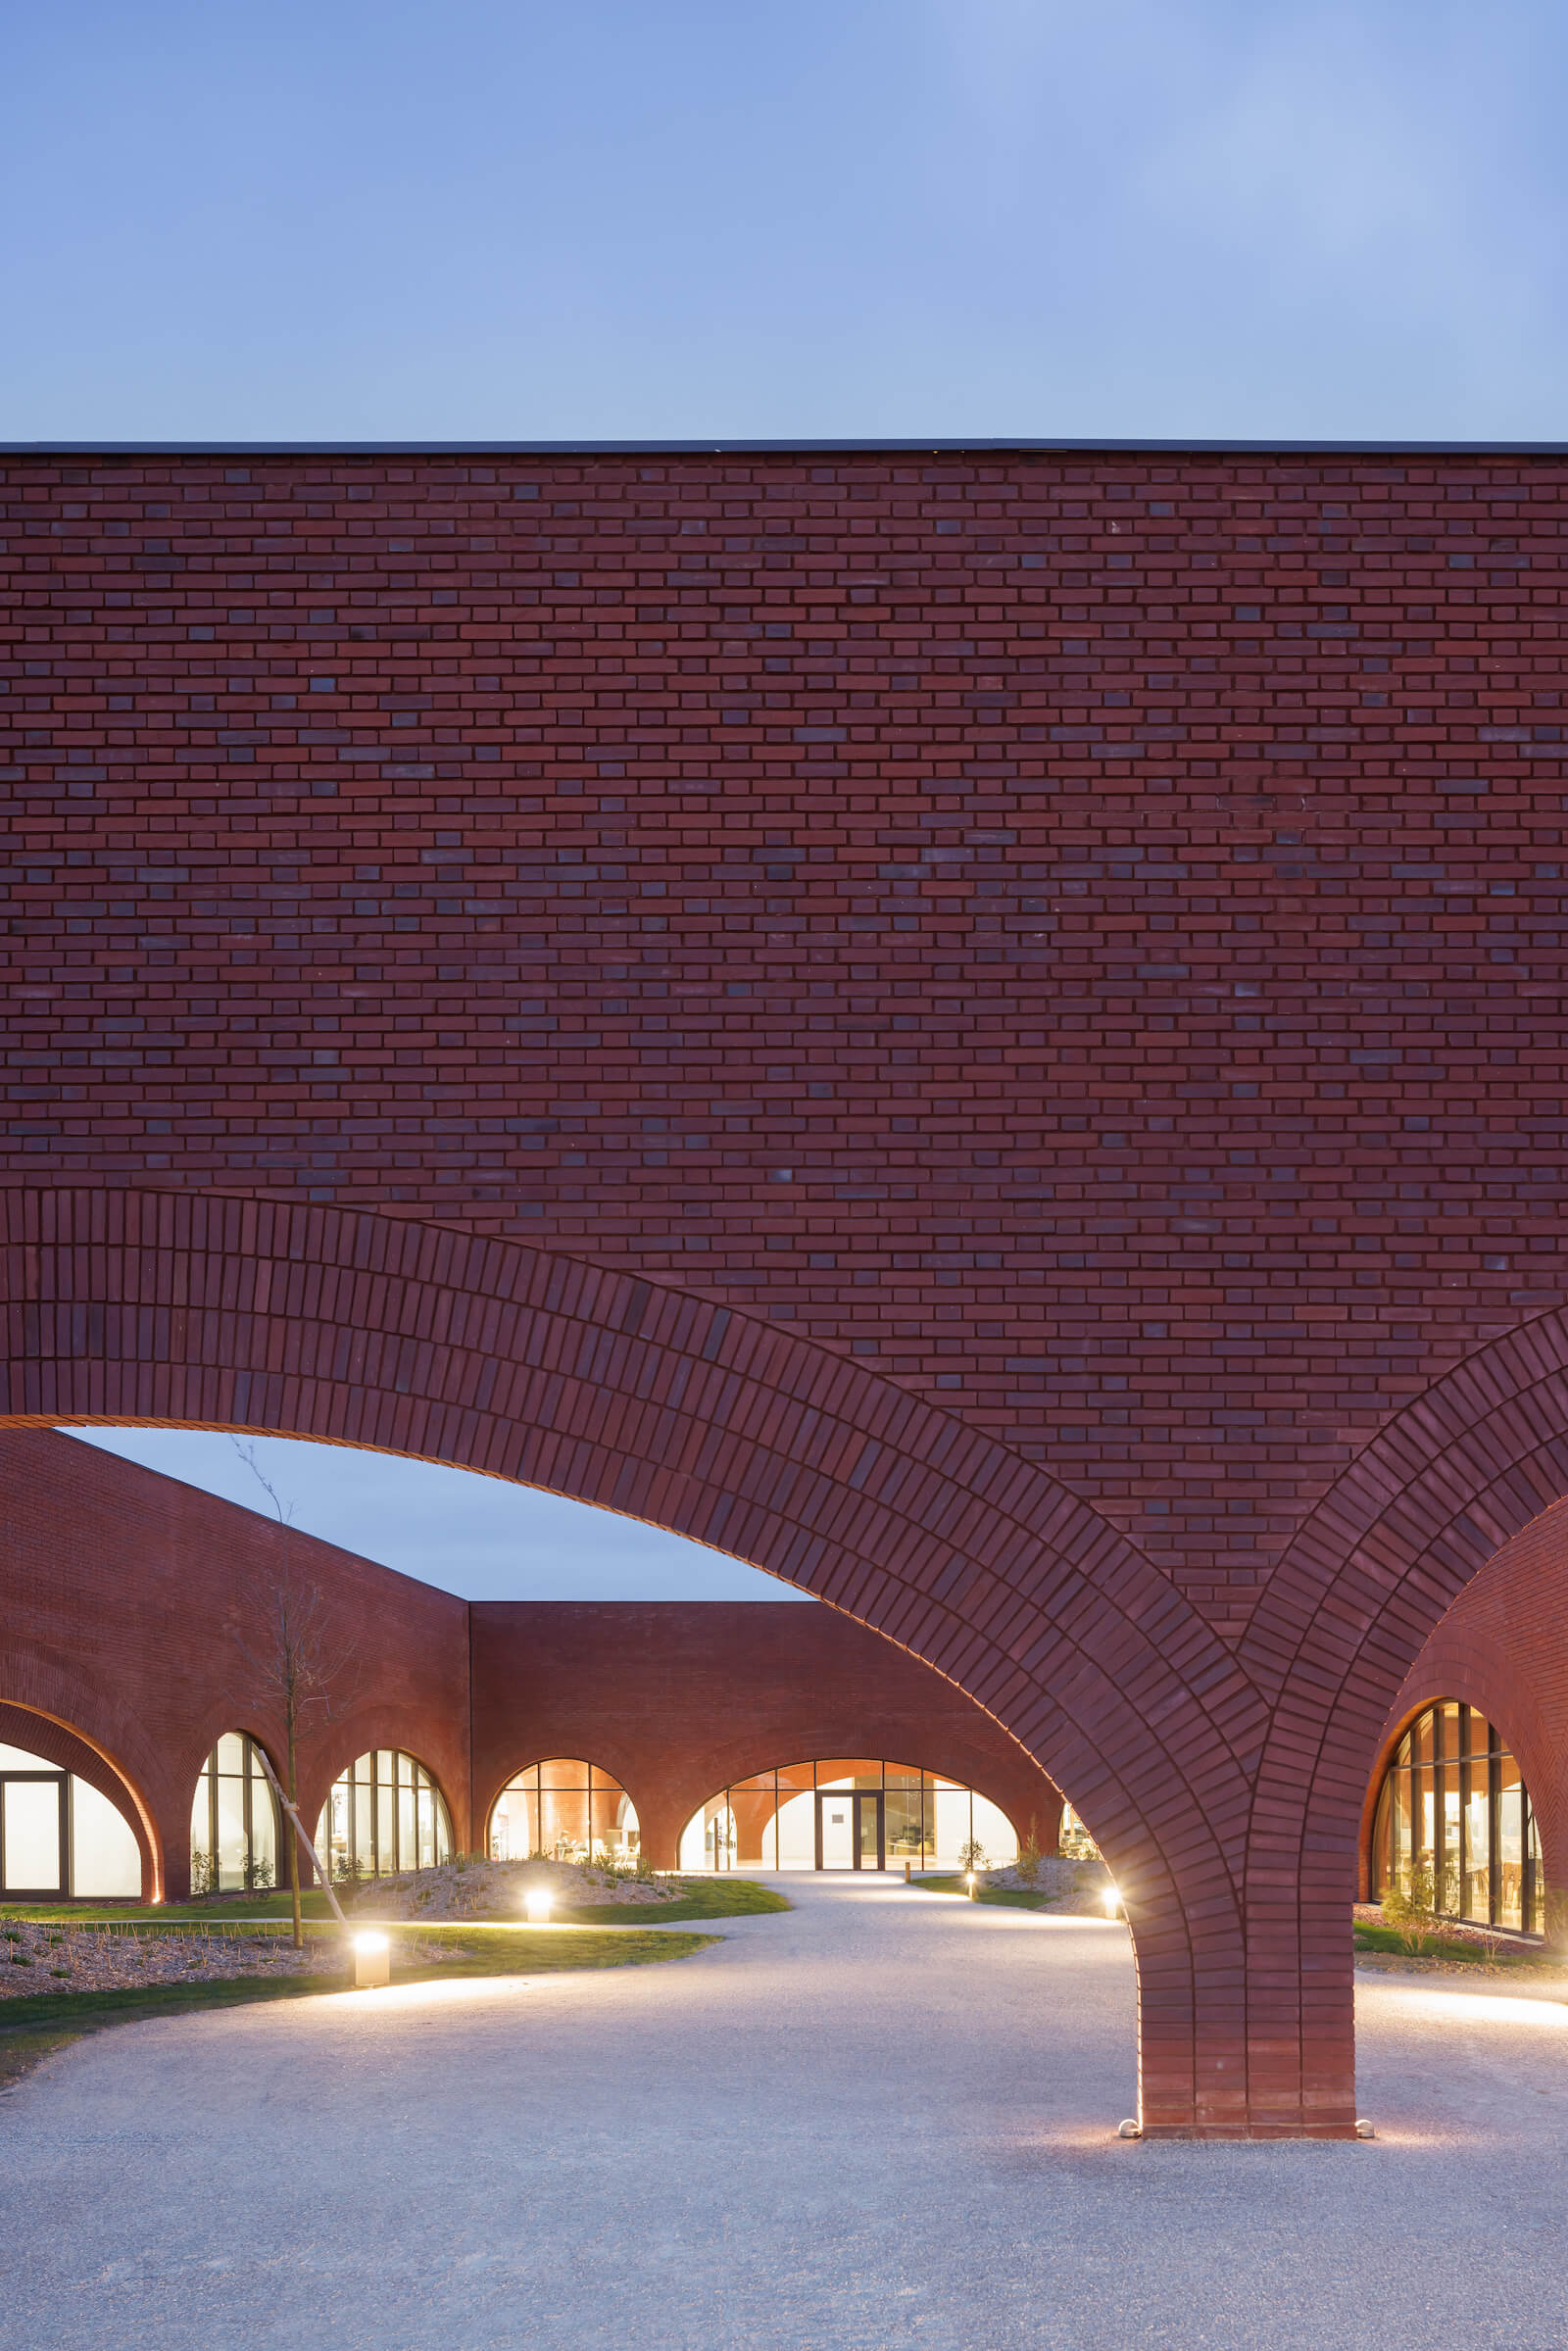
476, 1535
646, 218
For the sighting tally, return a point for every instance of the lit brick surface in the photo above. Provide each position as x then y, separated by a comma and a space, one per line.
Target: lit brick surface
1070, 943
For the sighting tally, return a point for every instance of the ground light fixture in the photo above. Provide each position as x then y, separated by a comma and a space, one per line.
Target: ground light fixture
971, 1885
537, 1905
1112, 1901
372, 1961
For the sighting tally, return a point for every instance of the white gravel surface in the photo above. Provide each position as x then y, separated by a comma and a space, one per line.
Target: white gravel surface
885, 2118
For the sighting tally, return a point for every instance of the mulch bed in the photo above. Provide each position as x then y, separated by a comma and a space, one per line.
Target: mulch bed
44, 1958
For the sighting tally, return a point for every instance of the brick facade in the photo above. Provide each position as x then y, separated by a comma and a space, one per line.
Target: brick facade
1045, 965
128, 1603
1503, 1648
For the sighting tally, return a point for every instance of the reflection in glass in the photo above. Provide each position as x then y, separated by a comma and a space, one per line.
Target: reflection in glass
570, 1811
384, 1814
845, 1812
1453, 1802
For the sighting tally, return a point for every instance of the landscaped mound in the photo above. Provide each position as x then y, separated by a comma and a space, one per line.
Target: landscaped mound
470, 1888
46, 1958
1072, 1889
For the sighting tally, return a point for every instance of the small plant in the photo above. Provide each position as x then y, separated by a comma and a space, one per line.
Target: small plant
1029, 1856
1412, 1909
257, 1873
973, 1856
202, 1874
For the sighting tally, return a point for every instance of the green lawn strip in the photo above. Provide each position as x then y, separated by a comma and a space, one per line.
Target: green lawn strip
313, 1905
1445, 1946
35, 2026
708, 1898
1016, 1897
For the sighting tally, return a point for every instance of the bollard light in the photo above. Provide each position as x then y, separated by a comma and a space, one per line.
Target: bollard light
1112, 1902
537, 1906
373, 1962
972, 1886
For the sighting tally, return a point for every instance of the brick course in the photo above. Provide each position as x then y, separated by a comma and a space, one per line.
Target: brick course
1072, 940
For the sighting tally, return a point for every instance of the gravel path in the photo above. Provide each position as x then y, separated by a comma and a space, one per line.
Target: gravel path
883, 2118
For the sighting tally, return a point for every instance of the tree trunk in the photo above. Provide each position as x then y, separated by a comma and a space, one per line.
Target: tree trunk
294, 1847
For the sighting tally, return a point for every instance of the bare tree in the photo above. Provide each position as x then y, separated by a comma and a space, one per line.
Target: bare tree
296, 1661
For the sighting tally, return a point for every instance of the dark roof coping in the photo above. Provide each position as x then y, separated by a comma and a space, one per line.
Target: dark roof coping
743, 447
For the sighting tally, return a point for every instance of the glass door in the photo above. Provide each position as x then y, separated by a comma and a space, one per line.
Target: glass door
869, 1830
837, 1835
34, 1834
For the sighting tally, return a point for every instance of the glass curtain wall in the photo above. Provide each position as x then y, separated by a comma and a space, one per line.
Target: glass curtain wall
1453, 1802
59, 1836
235, 1833
566, 1809
385, 1815
845, 1813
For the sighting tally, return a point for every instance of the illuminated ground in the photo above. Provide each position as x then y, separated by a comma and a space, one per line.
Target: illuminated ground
884, 2119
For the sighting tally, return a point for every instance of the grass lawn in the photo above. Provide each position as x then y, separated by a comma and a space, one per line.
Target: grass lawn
32, 2027
1016, 1897
313, 1905
1445, 1946
718, 1897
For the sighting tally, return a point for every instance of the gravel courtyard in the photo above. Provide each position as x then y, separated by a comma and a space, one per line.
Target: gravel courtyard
885, 2118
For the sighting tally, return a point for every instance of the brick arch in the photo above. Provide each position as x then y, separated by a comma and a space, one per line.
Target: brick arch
1480, 1676
1024, 1795
62, 1740
358, 1732
367, 1330
625, 1771
1502, 1646
1369, 1575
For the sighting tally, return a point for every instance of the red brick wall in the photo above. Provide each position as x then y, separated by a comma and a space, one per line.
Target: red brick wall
126, 1599
1073, 941
1081, 933
677, 1701
1503, 1647
123, 1604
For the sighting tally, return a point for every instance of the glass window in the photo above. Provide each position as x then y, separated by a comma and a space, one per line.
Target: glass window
59, 1836
568, 1809
32, 1816
384, 1814
105, 1857
235, 1828
1453, 1801
845, 1812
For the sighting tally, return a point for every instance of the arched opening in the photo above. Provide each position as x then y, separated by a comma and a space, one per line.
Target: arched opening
853, 1813
236, 1826
367, 1330
383, 1815
63, 1832
566, 1809
1454, 1818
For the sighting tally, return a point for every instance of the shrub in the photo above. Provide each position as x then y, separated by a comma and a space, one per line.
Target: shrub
1029, 1856
973, 1856
1412, 1909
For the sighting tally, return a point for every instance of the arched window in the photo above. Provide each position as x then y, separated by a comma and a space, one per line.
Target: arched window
235, 1834
384, 1814
570, 1811
1453, 1802
58, 1836
842, 1814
